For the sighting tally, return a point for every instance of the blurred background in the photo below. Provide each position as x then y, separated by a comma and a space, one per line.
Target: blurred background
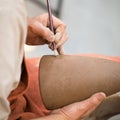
93, 26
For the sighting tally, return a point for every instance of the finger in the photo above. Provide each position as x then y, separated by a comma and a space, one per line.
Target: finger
43, 19
50, 45
62, 41
59, 27
81, 109
60, 50
42, 31
58, 23
92, 103
59, 44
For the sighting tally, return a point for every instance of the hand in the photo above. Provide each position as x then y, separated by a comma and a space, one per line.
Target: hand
40, 34
76, 111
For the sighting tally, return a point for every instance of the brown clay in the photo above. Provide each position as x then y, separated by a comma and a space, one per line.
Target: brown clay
68, 78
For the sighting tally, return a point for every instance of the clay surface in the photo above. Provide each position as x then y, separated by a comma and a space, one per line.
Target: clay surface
66, 79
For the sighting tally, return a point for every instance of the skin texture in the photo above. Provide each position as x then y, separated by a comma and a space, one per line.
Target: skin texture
72, 78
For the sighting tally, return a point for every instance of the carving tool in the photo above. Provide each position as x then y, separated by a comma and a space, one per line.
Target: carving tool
51, 25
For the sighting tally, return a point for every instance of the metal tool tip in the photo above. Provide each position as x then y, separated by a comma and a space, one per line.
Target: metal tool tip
55, 52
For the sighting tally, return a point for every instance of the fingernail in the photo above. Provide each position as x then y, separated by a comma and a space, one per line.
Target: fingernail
101, 96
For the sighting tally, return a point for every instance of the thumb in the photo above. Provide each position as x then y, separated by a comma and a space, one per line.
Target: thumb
79, 110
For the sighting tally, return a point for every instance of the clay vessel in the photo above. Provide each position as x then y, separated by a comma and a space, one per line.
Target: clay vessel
70, 78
